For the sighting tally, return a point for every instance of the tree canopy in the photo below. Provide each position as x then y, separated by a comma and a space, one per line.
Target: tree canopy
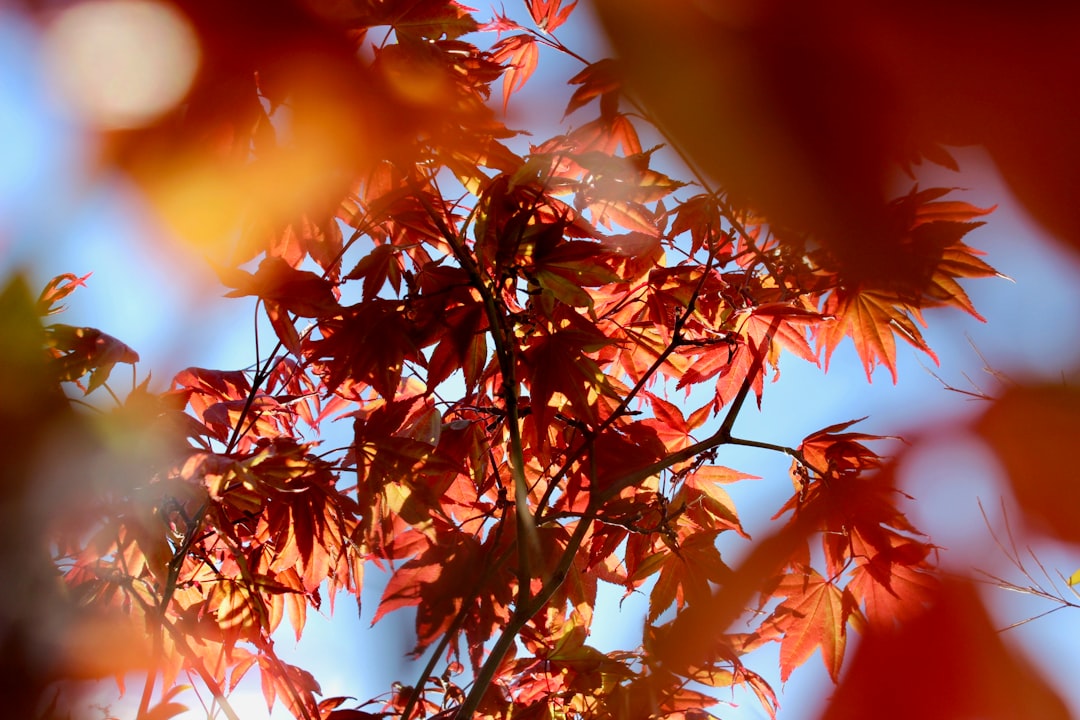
540, 345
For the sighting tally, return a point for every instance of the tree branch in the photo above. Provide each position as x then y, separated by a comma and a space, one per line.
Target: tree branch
528, 537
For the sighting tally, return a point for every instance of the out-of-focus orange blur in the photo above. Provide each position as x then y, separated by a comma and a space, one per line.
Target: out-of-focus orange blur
809, 110
57, 465
813, 114
948, 663
227, 111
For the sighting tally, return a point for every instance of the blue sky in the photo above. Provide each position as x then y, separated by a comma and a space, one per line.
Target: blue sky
57, 216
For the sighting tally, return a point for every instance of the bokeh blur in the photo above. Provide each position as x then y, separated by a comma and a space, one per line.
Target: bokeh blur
126, 132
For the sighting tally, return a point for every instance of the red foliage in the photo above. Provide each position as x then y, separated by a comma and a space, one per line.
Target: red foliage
505, 342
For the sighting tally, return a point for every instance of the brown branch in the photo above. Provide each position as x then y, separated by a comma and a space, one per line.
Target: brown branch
798, 456
180, 638
528, 537
676, 340
755, 567
523, 613
193, 532
459, 619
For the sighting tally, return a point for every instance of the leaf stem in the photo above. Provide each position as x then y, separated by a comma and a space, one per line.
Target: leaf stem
673, 344
798, 456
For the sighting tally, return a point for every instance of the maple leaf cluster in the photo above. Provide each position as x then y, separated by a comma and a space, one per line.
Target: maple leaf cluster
502, 328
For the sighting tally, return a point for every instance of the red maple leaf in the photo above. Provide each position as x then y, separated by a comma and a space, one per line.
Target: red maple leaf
548, 14
520, 55
813, 616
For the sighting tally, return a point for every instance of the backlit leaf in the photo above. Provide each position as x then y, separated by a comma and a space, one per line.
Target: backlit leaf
549, 14
520, 55
814, 616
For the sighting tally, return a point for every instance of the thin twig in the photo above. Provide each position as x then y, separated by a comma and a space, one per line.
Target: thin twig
1049, 592
191, 536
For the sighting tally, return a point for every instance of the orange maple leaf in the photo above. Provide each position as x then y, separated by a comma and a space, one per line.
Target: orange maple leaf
814, 615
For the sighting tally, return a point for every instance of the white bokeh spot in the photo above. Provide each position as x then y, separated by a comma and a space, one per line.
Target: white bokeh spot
120, 64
